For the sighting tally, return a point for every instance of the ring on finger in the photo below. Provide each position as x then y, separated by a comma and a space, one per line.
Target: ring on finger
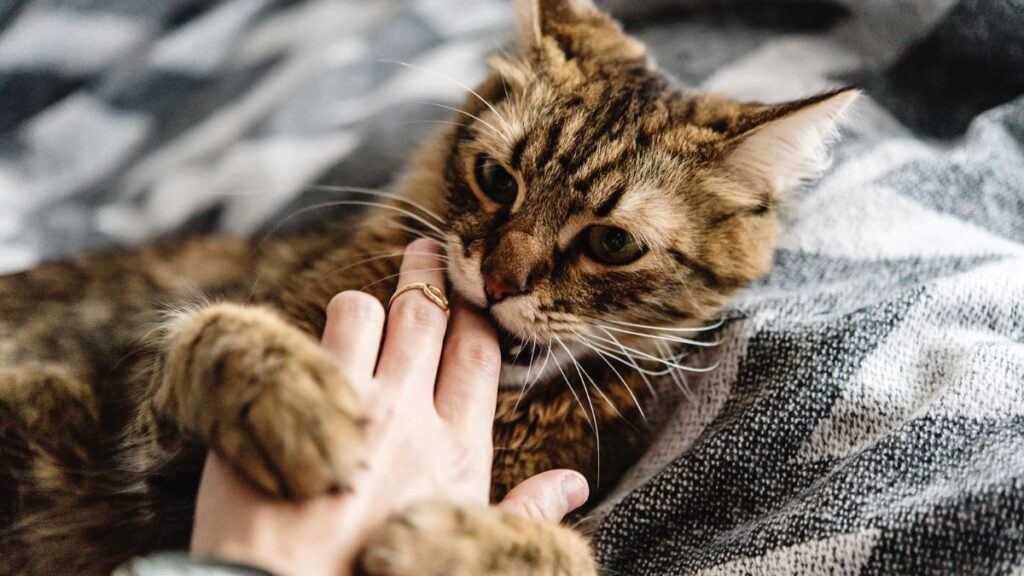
433, 293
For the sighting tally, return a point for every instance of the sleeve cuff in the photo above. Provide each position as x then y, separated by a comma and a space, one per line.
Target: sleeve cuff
181, 564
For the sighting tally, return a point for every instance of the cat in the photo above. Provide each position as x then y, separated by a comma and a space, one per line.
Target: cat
599, 214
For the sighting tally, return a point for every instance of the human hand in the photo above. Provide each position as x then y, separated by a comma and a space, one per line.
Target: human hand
430, 402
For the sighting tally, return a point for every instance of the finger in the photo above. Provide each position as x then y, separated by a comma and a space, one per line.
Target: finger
467, 385
355, 325
547, 496
213, 518
415, 324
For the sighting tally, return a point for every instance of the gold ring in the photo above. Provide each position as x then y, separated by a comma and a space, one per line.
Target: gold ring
433, 293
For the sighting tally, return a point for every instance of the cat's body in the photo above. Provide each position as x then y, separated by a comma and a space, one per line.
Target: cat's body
86, 321
108, 409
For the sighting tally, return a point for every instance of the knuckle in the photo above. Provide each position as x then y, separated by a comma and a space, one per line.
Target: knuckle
478, 354
355, 305
419, 313
532, 507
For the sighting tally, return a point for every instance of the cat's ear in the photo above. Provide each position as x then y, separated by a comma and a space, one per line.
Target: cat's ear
559, 31
788, 143
536, 18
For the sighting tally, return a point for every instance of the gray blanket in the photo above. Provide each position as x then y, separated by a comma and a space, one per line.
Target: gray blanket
868, 415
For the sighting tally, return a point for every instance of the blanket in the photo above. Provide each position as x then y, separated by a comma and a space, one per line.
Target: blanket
867, 416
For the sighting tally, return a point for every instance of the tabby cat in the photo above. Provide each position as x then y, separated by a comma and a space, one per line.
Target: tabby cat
600, 215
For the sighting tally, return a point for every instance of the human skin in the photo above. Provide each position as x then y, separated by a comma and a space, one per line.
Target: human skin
429, 391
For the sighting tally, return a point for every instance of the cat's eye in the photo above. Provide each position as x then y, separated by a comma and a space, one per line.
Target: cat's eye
611, 245
495, 181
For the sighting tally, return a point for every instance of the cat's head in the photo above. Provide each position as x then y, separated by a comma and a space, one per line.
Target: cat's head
588, 198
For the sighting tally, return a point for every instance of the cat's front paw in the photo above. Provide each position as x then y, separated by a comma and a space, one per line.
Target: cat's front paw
440, 539
293, 438
265, 397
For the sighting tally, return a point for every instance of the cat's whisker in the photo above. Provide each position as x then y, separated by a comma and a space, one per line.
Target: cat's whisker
623, 359
322, 205
304, 210
657, 359
398, 254
585, 374
516, 357
576, 525
685, 386
379, 194
492, 127
543, 367
415, 234
565, 378
452, 80
504, 84
433, 227
633, 364
593, 413
674, 339
681, 355
609, 401
419, 122
390, 276
627, 359
529, 384
675, 375
618, 375
529, 370
718, 324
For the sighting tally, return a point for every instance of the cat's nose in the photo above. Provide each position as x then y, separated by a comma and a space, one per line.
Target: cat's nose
504, 277
513, 267
499, 287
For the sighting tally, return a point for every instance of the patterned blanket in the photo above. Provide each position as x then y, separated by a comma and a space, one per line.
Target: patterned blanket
868, 415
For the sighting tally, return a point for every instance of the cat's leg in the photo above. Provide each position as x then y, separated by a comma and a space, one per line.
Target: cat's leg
262, 394
441, 539
48, 450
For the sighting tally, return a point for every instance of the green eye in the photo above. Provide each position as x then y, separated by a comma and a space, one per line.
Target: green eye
495, 181
611, 245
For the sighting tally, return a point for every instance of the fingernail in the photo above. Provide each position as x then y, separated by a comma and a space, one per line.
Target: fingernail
424, 245
575, 490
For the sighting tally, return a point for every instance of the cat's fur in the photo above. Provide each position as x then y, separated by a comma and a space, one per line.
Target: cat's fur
103, 437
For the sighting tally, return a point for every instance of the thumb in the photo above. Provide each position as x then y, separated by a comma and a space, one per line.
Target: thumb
547, 496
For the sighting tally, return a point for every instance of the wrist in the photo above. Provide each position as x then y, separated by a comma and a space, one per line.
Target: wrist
280, 552
234, 522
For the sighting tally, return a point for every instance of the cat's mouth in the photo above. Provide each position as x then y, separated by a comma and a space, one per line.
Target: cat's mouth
523, 360
516, 351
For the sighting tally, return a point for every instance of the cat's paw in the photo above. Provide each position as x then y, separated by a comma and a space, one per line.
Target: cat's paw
268, 399
293, 438
440, 539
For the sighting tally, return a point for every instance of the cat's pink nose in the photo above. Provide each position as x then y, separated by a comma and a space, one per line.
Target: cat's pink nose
513, 267
499, 286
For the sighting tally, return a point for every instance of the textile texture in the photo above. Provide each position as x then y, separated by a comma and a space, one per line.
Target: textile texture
867, 415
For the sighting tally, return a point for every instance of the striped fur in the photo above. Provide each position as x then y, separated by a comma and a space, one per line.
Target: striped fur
107, 413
